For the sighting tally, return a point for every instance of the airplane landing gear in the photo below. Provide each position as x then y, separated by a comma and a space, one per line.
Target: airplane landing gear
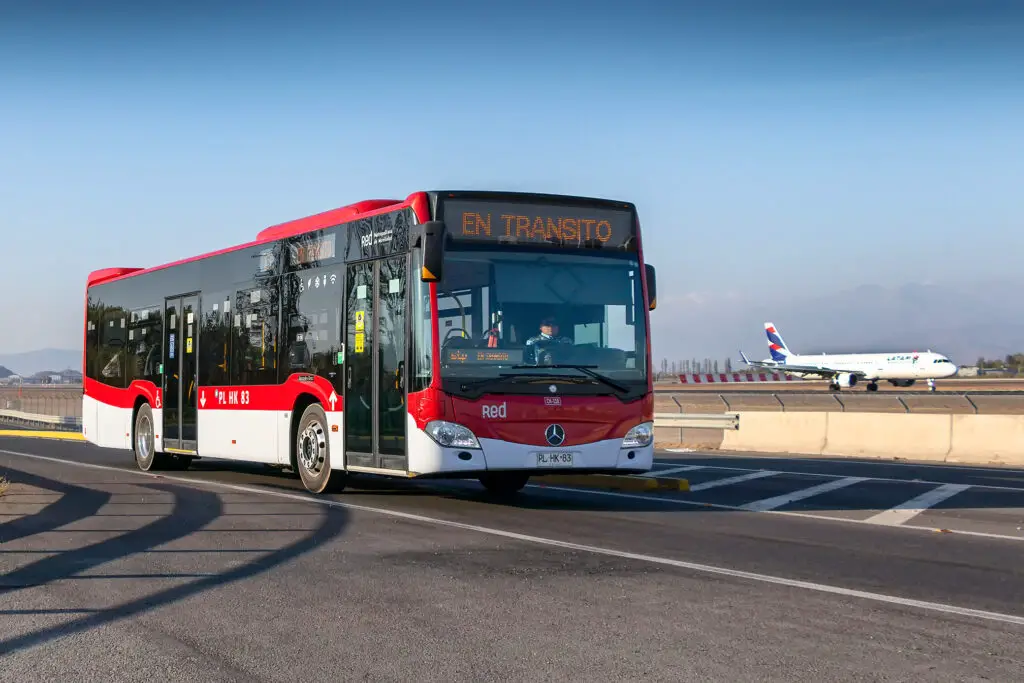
931, 385
873, 386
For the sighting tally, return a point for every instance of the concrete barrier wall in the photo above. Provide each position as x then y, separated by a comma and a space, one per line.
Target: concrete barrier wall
778, 432
888, 435
974, 439
987, 439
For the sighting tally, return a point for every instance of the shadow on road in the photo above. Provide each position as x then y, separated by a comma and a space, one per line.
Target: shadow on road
75, 503
193, 509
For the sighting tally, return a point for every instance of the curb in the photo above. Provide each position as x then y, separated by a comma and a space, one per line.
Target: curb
30, 434
613, 482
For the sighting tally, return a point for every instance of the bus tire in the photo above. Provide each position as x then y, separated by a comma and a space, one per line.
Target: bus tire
144, 443
313, 453
504, 483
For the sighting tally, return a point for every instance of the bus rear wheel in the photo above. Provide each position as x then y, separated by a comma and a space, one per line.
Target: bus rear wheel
313, 453
144, 443
504, 483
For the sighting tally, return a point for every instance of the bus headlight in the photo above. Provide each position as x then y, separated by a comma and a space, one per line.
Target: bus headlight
451, 435
639, 436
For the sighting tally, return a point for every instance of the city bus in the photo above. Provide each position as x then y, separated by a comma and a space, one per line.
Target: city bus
455, 334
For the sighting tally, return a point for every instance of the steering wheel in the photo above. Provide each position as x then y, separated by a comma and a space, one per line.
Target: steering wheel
465, 335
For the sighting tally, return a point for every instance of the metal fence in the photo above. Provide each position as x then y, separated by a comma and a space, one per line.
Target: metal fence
50, 406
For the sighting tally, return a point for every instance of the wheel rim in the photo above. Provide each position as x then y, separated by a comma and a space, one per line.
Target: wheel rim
144, 437
312, 448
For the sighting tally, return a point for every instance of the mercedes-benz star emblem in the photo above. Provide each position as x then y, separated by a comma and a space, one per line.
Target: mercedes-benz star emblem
555, 435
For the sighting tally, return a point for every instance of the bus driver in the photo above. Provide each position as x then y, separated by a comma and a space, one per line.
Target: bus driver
547, 338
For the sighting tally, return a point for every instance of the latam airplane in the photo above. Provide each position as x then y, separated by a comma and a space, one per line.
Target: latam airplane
845, 370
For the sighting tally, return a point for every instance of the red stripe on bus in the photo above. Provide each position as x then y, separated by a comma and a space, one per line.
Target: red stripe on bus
240, 397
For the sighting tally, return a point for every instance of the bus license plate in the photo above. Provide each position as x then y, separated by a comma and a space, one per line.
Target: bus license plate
560, 459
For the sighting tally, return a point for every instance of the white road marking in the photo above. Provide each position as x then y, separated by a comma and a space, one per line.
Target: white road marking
778, 501
785, 513
852, 461
672, 470
908, 510
939, 607
759, 474
927, 482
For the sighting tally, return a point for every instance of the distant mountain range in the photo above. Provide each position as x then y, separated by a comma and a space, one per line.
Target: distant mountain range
31, 362
965, 321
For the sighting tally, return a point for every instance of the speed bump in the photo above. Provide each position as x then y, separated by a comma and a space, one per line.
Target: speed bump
614, 482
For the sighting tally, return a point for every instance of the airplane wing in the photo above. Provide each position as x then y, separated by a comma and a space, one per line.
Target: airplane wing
822, 370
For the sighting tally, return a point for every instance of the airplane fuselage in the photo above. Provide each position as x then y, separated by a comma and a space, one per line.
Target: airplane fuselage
874, 366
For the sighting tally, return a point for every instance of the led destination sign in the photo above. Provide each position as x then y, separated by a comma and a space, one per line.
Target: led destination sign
467, 356
539, 224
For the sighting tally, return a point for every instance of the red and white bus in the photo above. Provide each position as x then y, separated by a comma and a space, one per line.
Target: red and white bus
491, 335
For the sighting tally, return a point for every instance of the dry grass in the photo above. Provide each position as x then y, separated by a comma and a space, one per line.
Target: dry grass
3, 486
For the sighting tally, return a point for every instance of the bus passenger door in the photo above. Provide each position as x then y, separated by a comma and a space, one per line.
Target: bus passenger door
375, 343
391, 335
181, 344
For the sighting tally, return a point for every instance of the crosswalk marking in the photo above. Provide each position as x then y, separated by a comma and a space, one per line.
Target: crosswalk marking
672, 470
732, 480
907, 510
786, 498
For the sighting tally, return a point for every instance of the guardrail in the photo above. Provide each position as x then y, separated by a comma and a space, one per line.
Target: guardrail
697, 420
36, 420
723, 421
48, 400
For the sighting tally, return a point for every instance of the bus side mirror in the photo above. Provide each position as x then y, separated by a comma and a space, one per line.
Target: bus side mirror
652, 288
432, 238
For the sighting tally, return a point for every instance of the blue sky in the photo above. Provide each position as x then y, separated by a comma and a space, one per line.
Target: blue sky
772, 153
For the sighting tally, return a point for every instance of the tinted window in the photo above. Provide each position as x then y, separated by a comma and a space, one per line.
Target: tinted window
215, 339
113, 336
312, 324
421, 350
145, 334
255, 334
91, 339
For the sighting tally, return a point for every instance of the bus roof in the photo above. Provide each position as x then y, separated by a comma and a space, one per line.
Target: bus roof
332, 217
324, 219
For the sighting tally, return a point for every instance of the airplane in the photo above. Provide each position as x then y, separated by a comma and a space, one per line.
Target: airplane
900, 369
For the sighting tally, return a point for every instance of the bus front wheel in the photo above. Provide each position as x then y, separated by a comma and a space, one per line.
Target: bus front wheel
313, 453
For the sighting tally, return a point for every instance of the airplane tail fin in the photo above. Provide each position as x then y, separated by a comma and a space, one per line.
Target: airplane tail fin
780, 352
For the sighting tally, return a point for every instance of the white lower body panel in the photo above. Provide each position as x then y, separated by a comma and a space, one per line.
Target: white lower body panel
426, 456
248, 435
106, 426
259, 436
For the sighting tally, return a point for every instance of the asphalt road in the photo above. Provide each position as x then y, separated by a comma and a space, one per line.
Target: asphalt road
229, 572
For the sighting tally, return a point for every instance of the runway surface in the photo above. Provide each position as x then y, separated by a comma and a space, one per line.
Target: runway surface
232, 572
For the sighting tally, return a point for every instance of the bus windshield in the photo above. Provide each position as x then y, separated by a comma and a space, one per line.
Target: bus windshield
508, 313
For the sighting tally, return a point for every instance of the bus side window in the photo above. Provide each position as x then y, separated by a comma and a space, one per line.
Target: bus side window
254, 343
214, 340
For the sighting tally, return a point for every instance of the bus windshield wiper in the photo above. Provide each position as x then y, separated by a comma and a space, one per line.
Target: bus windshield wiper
586, 369
476, 384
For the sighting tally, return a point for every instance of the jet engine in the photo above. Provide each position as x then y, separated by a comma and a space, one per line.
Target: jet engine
846, 380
